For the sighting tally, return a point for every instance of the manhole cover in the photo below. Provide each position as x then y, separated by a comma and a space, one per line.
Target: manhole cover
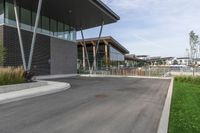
100, 96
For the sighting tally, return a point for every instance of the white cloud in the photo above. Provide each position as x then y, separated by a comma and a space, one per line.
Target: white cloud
154, 26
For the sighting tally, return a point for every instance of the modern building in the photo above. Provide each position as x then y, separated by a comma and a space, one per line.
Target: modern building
132, 61
40, 35
161, 61
167, 61
183, 61
111, 53
154, 61
143, 57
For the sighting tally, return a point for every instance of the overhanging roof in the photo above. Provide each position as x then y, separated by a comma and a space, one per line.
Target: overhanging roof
77, 13
108, 39
131, 58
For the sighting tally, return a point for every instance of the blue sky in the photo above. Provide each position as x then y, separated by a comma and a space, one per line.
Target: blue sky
153, 27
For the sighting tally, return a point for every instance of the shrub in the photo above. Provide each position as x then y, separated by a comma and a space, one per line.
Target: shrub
188, 79
11, 75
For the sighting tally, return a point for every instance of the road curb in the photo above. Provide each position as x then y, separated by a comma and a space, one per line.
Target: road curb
52, 87
119, 76
164, 120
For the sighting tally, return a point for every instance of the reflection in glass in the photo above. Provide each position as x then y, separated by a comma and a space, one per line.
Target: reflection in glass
25, 19
46, 25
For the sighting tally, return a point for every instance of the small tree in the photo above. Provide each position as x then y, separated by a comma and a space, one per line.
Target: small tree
194, 49
2, 53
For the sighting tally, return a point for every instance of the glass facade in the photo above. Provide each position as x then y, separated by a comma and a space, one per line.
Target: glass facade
47, 25
90, 54
101, 57
1, 12
115, 57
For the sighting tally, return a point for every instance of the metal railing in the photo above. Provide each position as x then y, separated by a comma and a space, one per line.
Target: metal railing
153, 72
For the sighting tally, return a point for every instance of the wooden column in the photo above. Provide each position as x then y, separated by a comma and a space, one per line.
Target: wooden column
83, 52
106, 52
94, 55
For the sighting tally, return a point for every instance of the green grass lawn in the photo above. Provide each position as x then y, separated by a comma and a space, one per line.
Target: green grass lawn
185, 108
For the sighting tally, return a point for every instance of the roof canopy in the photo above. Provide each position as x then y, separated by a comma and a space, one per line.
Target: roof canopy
109, 40
131, 58
77, 13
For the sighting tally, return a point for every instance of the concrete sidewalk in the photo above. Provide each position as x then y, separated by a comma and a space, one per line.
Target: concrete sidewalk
51, 87
55, 76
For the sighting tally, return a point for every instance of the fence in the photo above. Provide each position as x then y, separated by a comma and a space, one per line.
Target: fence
148, 71
158, 72
185, 71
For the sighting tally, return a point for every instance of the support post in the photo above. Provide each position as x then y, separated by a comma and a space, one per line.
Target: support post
106, 53
84, 45
83, 52
34, 34
19, 35
94, 52
106, 56
97, 46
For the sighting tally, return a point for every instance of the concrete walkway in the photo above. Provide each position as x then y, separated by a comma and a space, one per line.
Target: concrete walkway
20, 94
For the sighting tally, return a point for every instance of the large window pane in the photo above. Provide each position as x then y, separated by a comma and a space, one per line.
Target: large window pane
53, 27
9, 13
45, 25
115, 55
25, 18
66, 32
39, 29
73, 34
70, 35
60, 30
1, 12
27, 21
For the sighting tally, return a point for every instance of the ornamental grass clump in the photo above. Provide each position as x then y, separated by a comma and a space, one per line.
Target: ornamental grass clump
11, 75
188, 79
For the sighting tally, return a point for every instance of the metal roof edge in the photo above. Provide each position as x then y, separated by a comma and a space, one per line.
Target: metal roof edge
106, 8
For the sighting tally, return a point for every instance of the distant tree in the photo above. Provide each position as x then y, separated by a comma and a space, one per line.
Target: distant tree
194, 49
2, 53
175, 62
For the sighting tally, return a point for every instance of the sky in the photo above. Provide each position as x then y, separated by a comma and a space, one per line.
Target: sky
152, 27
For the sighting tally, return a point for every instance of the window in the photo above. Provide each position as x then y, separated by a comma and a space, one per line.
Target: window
60, 30
72, 34
116, 55
1, 12
10, 14
66, 32
45, 25
39, 29
25, 18
53, 27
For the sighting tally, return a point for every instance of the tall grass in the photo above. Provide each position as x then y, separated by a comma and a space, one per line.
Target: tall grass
188, 79
11, 75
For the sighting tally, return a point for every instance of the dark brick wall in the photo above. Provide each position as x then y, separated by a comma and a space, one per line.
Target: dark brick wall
63, 53
41, 56
1, 38
1, 34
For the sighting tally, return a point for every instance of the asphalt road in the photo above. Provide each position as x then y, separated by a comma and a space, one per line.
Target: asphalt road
92, 105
